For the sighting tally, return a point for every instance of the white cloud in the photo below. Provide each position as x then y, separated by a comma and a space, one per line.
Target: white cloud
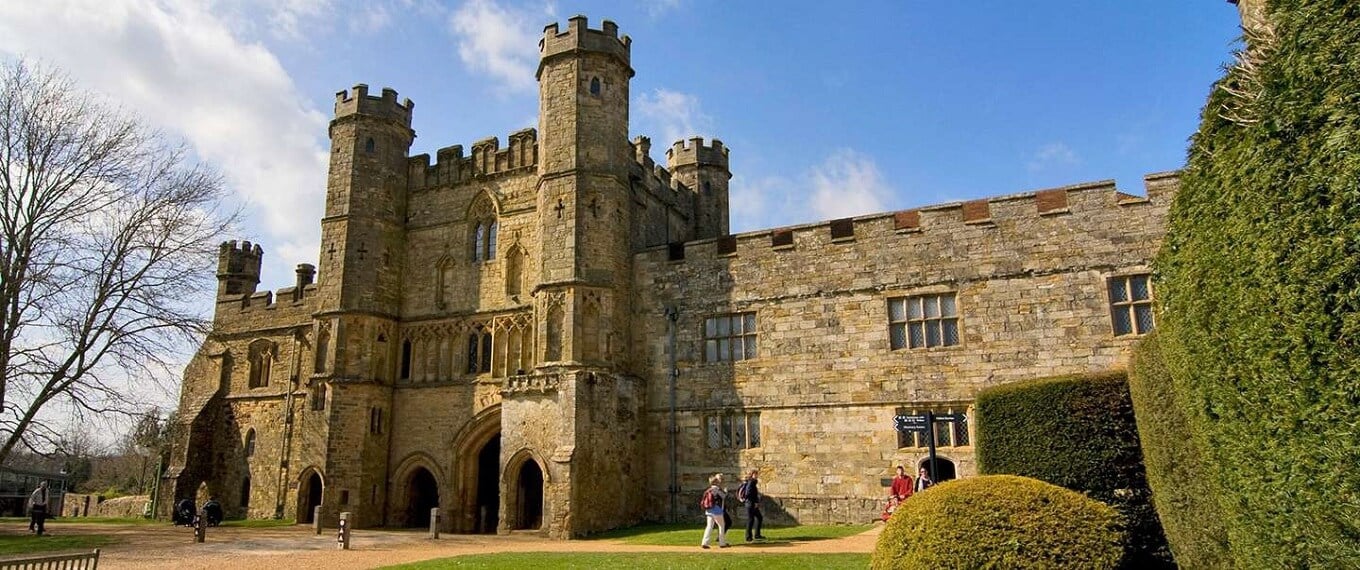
373, 18
1052, 155
847, 184
183, 69
498, 40
658, 8
671, 115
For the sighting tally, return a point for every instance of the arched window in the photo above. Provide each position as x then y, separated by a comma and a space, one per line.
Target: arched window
554, 340
369, 145
479, 242
490, 241
261, 361
249, 444
479, 351
595, 86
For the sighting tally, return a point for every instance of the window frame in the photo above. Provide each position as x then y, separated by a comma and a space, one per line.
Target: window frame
720, 430
923, 319
749, 336
1129, 304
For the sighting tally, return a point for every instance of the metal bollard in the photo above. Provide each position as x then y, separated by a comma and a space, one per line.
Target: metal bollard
342, 536
316, 519
201, 526
434, 522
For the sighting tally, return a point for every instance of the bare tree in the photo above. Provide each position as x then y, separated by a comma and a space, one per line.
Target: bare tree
108, 234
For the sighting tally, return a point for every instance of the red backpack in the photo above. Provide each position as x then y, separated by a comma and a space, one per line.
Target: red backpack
707, 501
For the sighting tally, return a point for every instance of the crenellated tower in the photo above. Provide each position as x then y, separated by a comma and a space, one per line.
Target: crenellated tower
238, 268
363, 238
582, 302
704, 170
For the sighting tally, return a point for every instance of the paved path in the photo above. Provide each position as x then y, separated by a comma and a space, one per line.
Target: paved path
297, 547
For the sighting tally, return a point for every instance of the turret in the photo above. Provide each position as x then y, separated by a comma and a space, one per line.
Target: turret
238, 268
363, 230
704, 170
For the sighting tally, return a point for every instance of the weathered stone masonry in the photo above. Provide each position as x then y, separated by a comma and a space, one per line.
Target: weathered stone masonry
490, 332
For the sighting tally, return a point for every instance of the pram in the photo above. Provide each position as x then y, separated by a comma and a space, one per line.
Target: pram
184, 513
213, 510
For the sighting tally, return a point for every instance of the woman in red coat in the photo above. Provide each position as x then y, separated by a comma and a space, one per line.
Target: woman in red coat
901, 489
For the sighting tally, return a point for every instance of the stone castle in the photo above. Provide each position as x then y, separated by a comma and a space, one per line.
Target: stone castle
562, 335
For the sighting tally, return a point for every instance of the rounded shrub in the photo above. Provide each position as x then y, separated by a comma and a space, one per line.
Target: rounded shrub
1000, 521
1076, 432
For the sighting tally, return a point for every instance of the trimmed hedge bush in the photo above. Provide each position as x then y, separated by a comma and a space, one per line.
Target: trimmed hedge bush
1077, 432
1260, 289
999, 521
1186, 500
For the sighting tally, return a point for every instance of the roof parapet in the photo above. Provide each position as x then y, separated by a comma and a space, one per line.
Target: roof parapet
358, 102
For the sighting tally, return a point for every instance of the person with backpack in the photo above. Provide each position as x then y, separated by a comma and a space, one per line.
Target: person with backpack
712, 504
749, 494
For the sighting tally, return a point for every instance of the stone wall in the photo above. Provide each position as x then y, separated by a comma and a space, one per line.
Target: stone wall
1029, 272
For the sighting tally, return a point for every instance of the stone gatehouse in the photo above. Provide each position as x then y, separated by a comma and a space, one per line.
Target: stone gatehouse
561, 334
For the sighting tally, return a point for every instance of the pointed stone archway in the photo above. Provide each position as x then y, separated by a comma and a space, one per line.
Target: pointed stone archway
527, 481
310, 487
422, 494
476, 469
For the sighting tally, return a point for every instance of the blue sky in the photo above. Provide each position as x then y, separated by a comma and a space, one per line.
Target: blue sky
865, 107
829, 111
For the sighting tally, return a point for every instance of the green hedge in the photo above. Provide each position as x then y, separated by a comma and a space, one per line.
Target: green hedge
1077, 432
1186, 500
999, 521
1260, 290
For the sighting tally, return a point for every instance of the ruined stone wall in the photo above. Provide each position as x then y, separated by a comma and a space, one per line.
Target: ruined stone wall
1029, 273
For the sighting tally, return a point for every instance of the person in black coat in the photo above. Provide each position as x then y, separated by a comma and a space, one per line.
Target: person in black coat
749, 493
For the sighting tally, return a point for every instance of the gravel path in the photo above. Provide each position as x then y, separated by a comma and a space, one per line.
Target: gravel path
297, 547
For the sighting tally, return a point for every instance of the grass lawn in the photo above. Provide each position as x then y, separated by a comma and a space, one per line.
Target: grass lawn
11, 545
684, 534
92, 520
712, 559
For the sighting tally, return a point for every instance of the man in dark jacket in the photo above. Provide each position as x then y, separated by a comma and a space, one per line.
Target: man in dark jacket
749, 493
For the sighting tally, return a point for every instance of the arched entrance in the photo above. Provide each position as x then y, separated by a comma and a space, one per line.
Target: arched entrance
529, 496
422, 494
488, 503
309, 496
944, 466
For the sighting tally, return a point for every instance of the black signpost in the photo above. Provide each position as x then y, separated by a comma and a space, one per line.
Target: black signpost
925, 423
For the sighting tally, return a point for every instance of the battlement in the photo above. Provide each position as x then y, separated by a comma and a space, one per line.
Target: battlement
696, 152
1087, 204
358, 102
238, 267
487, 158
580, 38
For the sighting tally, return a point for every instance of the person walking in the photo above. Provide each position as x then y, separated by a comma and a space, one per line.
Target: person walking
712, 503
37, 509
749, 494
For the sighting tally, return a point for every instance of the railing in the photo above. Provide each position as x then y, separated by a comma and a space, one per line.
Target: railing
87, 561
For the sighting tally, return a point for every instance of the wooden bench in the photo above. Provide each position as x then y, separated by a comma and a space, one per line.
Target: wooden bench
87, 561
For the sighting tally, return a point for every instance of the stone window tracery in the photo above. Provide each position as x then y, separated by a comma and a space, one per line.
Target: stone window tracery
479, 350
261, 355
